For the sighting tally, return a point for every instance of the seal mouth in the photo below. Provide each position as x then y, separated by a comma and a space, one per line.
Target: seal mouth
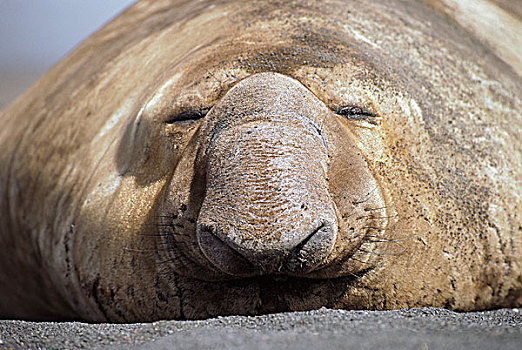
273, 293
281, 279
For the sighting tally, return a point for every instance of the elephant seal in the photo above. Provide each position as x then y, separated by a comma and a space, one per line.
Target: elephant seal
203, 158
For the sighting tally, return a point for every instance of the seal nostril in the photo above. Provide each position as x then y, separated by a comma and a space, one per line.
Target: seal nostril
313, 250
220, 254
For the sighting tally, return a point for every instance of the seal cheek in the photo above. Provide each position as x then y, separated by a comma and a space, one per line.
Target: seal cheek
359, 202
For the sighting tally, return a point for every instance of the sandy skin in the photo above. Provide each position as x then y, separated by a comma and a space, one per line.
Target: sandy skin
292, 157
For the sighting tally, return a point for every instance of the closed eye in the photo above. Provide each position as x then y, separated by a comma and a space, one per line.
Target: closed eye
356, 113
190, 115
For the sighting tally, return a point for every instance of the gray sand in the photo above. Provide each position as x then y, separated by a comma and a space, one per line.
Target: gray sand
427, 328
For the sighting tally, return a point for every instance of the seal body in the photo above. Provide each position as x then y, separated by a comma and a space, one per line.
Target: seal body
194, 159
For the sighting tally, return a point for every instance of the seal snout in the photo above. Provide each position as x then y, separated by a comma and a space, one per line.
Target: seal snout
267, 207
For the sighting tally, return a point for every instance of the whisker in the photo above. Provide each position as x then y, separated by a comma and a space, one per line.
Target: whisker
166, 217
360, 261
354, 275
370, 209
374, 228
159, 262
383, 253
149, 250
377, 217
159, 224
403, 239
378, 241
367, 197
154, 234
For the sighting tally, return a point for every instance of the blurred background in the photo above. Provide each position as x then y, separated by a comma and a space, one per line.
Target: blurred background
36, 34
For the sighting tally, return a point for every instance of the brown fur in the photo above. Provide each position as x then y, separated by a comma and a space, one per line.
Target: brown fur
99, 187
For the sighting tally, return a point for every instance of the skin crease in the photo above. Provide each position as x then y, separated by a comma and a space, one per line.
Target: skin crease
401, 128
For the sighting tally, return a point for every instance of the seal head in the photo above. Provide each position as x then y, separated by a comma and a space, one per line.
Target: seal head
264, 161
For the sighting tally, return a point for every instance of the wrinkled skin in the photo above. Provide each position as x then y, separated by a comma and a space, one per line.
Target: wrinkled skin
194, 159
